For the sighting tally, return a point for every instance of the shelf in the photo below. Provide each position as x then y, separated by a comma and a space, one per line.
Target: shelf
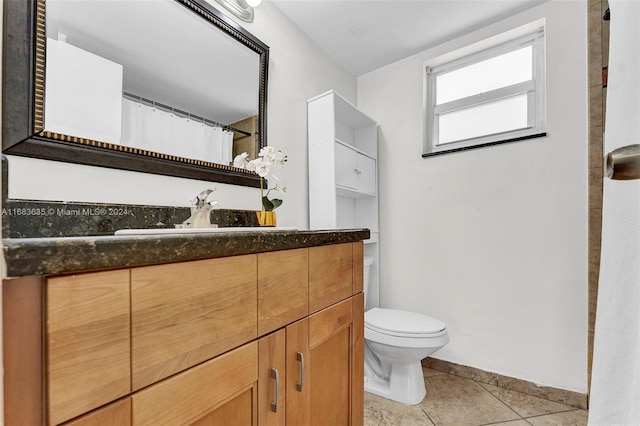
348, 145
343, 191
348, 114
346, 111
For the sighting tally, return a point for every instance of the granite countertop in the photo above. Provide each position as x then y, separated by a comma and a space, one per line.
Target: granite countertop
59, 255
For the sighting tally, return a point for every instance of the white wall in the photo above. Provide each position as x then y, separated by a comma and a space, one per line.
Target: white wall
493, 241
298, 69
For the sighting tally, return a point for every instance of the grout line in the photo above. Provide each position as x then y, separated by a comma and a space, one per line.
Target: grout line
428, 417
557, 412
501, 401
485, 390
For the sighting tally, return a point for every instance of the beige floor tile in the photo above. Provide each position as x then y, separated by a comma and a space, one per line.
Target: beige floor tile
457, 401
380, 411
568, 418
526, 405
428, 372
512, 423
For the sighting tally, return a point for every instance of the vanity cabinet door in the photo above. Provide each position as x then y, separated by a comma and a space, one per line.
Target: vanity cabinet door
88, 342
297, 383
272, 378
283, 288
185, 313
221, 391
325, 366
330, 275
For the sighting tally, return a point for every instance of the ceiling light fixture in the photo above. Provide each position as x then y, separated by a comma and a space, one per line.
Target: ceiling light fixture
243, 9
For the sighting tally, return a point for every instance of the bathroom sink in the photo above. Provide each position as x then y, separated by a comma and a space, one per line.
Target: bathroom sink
169, 231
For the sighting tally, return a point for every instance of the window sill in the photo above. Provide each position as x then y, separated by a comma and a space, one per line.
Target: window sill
483, 145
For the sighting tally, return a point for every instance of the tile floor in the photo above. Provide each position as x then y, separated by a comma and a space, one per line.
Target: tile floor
456, 401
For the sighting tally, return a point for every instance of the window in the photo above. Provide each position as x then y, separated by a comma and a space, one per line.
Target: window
492, 96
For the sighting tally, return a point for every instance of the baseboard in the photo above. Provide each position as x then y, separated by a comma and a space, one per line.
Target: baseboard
575, 399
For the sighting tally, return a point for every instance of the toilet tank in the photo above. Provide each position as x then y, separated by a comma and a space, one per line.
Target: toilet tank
368, 261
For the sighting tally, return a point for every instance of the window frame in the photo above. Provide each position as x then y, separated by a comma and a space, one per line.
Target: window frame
534, 88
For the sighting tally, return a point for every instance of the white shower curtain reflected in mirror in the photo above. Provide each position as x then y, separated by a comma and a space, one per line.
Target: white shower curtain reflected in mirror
615, 384
151, 128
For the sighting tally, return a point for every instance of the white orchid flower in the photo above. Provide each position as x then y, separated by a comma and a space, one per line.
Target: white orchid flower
262, 169
279, 159
280, 184
267, 157
241, 160
267, 152
253, 164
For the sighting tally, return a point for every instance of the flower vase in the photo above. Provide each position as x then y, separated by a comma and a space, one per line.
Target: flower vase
266, 218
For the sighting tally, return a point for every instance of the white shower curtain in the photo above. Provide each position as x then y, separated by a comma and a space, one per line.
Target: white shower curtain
615, 384
150, 128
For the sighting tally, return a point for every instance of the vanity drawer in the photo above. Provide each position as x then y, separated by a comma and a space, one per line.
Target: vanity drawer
220, 391
118, 413
330, 275
185, 313
283, 288
88, 341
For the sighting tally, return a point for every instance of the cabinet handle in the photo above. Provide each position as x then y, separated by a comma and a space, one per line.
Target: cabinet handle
274, 375
358, 170
300, 384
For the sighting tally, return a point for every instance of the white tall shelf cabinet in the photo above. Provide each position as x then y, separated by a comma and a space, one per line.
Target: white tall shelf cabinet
343, 172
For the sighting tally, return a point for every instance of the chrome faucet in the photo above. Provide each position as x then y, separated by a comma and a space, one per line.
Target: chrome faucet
201, 210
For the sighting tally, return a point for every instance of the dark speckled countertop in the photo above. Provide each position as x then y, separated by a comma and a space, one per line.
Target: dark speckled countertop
59, 255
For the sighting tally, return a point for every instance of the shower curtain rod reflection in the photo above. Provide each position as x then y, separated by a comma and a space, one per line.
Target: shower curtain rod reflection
186, 114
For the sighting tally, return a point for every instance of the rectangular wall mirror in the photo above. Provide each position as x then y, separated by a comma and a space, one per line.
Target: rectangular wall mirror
170, 87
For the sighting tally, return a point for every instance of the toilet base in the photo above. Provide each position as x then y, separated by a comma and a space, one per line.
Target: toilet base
405, 384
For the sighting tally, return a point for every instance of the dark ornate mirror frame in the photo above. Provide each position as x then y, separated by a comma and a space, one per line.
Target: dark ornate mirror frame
24, 62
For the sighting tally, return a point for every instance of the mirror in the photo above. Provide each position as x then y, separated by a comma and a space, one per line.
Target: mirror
166, 86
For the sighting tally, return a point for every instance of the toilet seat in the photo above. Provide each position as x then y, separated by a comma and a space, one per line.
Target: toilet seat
393, 322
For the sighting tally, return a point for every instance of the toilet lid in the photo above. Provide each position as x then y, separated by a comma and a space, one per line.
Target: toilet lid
402, 323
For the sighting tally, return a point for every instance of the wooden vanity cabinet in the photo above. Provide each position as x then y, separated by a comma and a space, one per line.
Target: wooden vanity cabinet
220, 391
88, 342
186, 313
283, 288
320, 368
325, 366
117, 413
272, 379
273, 338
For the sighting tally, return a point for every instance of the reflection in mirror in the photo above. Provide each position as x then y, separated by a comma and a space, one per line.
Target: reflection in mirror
170, 87
147, 75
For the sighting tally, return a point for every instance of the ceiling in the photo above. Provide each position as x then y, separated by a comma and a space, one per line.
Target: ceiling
365, 35
217, 77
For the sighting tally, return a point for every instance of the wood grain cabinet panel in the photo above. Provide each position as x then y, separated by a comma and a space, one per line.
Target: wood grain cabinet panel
325, 383
297, 359
118, 413
330, 275
283, 288
336, 368
88, 341
357, 360
272, 379
185, 313
358, 267
199, 395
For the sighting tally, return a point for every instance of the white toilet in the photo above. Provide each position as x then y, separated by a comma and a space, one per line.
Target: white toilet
395, 343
